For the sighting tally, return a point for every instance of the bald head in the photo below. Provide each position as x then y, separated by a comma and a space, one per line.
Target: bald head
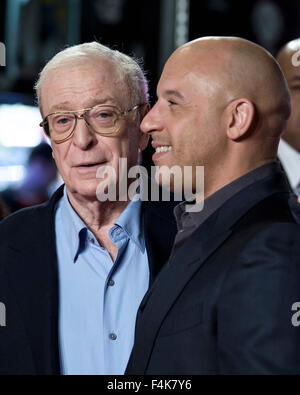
288, 58
241, 68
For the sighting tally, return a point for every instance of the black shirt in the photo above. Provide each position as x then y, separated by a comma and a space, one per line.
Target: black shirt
188, 222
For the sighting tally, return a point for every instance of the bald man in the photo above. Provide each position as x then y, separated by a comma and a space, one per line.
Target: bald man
227, 301
289, 147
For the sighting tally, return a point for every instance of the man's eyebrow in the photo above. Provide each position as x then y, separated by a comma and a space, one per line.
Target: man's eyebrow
60, 106
171, 92
67, 106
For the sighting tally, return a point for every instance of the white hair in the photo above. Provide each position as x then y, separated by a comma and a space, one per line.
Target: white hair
130, 70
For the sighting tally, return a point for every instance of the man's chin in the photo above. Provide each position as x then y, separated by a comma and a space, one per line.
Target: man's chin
84, 188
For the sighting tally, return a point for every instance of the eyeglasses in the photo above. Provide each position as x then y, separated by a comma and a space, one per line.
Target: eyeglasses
101, 119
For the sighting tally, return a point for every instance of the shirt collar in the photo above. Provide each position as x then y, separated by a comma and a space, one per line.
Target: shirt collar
213, 202
290, 159
129, 221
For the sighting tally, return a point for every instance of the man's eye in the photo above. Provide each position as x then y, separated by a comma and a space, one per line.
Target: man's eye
103, 115
171, 103
63, 121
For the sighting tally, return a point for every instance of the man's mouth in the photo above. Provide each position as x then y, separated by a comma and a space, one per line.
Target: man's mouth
163, 148
89, 164
88, 169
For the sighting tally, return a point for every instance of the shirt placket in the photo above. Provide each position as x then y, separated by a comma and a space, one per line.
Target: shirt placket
111, 327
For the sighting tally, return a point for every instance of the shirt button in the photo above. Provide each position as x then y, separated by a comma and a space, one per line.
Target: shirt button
112, 336
111, 283
91, 239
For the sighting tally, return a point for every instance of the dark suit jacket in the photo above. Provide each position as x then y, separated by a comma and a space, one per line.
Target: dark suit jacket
29, 282
223, 304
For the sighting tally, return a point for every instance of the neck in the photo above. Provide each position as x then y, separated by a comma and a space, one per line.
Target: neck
95, 214
217, 178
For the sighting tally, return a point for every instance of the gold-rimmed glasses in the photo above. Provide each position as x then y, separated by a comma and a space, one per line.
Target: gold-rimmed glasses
101, 119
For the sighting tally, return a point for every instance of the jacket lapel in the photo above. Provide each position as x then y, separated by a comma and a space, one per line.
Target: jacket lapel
31, 269
159, 229
188, 260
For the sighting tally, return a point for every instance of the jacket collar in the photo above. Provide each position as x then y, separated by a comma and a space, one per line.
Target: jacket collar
188, 260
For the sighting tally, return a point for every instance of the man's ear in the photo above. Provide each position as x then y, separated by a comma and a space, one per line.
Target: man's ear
241, 114
144, 138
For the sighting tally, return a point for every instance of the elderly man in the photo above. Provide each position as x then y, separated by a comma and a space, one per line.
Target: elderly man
74, 271
227, 301
289, 147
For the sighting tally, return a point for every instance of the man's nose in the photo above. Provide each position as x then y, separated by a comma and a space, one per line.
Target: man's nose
83, 136
152, 121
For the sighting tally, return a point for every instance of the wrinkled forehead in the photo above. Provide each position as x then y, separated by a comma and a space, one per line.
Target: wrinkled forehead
82, 83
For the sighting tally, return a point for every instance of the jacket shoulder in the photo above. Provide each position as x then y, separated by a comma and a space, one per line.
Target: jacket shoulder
25, 222
22, 218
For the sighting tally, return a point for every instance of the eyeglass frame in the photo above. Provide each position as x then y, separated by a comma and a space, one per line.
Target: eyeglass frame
82, 112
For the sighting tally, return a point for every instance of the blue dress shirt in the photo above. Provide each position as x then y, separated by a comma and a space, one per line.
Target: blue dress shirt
99, 298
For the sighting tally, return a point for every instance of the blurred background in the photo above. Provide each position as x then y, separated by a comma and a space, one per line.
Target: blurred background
34, 30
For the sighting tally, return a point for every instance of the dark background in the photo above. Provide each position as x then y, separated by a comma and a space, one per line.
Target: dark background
34, 30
